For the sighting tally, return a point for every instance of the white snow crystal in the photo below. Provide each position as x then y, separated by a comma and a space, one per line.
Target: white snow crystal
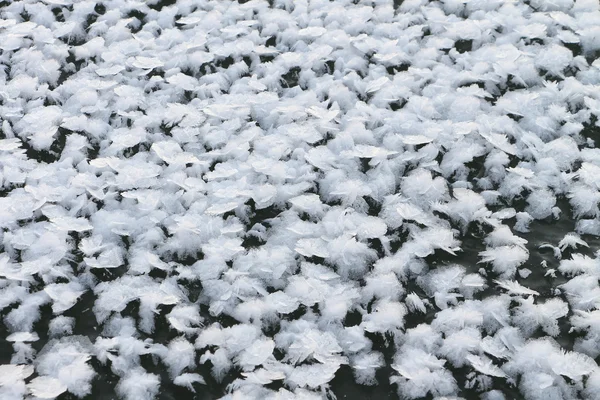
45, 387
138, 385
12, 373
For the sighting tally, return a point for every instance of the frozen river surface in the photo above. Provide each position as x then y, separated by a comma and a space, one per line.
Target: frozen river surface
284, 199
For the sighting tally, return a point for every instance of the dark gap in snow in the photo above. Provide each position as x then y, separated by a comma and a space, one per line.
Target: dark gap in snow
266, 58
290, 78
271, 41
166, 129
479, 383
575, 48
154, 365
174, 392
157, 273
224, 320
224, 62
364, 164
248, 61
155, 72
158, 5
93, 150
476, 168
100, 8
479, 84
327, 137
73, 40
533, 41
397, 238
314, 260
25, 16
251, 242
162, 332
374, 206
135, 13
344, 387
296, 314
376, 245
58, 14
6, 347
394, 69
207, 69
330, 65
72, 66
139, 20
104, 382
462, 46
108, 274
272, 328
187, 259
85, 319
591, 129
515, 161
211, 391
275, 385
229, 214
570, 71
132, 309
58, 145
42, 156
548, 76
514, 117
40, 326
592, 56
511, 84
216, 388
540, 233
416, 318
192, 288
132, 151
2, 133
352, 318
398, 104
261, 215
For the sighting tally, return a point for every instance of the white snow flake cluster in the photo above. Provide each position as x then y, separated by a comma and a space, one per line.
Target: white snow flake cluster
269, 199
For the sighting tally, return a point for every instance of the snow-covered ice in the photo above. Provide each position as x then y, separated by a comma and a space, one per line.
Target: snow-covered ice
277, 199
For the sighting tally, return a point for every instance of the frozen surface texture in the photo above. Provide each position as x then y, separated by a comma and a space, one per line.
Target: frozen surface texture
299, 199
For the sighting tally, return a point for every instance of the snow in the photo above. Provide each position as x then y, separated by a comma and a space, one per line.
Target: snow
66, 360
261, 196
44, 387
187, 380
421, 373
505, 259
12, 373
137, 384
529, 316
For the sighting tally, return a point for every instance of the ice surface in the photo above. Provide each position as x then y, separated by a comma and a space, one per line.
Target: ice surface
269, 199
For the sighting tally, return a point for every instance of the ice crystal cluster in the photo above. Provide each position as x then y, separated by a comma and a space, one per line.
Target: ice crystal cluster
299, 199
